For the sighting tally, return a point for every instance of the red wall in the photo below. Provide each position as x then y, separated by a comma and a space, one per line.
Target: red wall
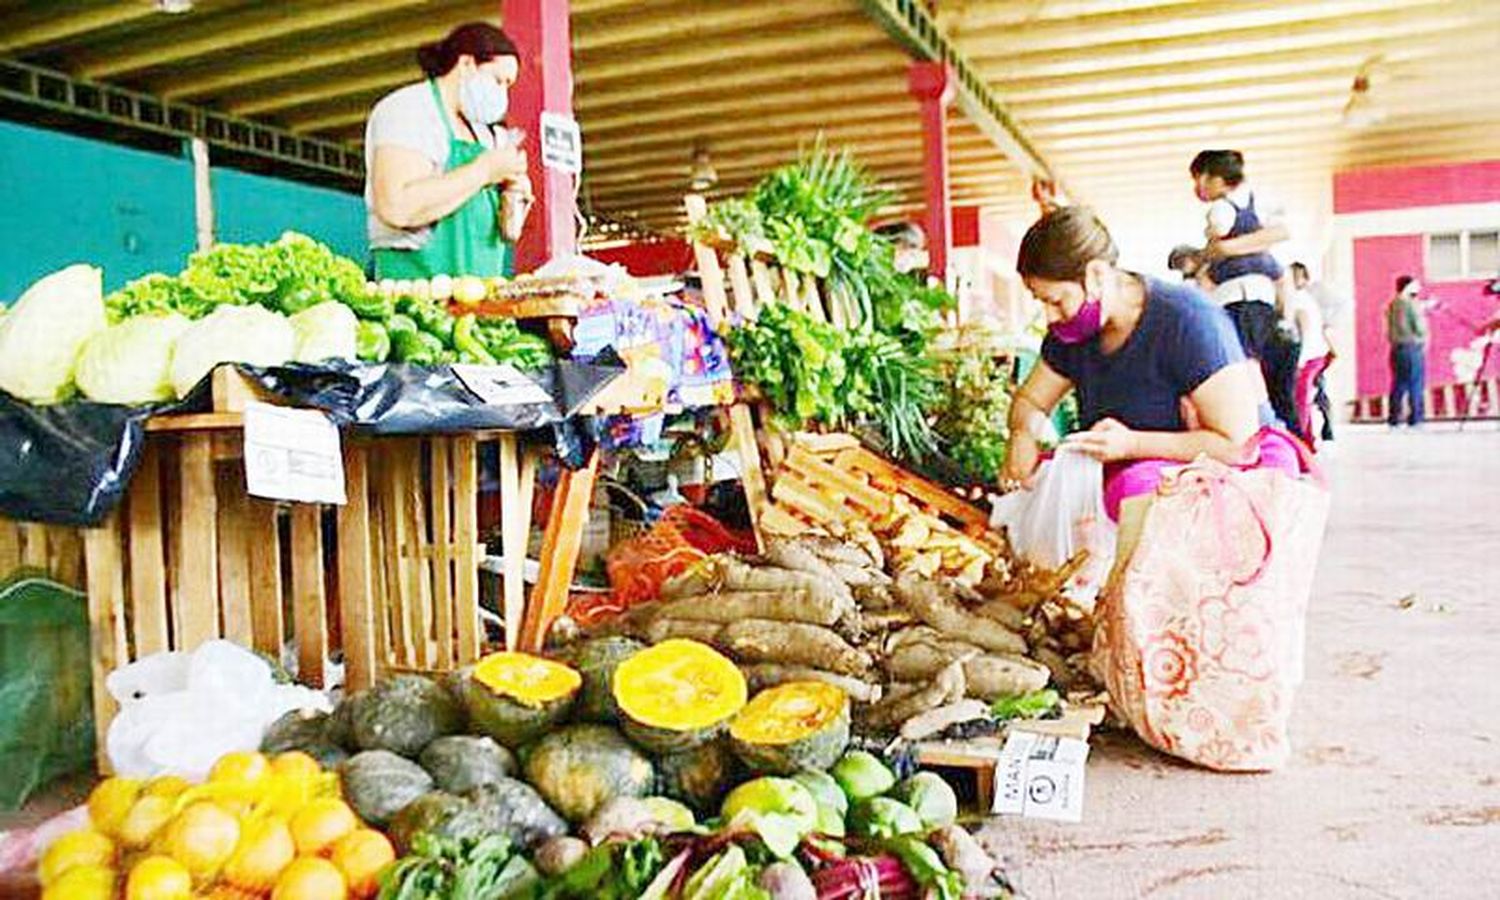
1405, 187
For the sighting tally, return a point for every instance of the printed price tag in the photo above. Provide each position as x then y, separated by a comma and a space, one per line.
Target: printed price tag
292, 454
502, 385
562, 143
1041, 777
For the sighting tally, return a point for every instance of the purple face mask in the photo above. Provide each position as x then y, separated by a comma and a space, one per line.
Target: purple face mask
1085, 324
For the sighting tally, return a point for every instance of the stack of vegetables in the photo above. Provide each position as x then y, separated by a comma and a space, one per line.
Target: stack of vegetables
621, 770
928, 633
813, 215
289, 300
257, 827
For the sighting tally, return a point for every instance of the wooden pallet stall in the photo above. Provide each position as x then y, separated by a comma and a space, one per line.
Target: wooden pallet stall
53, 550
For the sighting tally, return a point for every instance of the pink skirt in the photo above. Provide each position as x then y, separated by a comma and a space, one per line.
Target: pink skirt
1270, 448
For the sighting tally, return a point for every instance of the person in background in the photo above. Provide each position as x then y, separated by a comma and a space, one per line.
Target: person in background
1406, 329
1159, 373
1313, 357
435, 157
1244, 274
1187, 261
1332, 307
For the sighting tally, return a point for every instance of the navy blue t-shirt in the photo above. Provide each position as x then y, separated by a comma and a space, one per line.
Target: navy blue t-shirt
1181, 339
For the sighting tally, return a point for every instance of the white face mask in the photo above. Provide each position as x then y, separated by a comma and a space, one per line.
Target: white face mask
1412, 289
482, 100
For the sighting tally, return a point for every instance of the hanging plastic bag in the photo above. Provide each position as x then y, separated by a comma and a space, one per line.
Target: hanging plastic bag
1061, 516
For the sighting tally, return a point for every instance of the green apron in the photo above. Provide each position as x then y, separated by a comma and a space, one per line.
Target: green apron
465, 242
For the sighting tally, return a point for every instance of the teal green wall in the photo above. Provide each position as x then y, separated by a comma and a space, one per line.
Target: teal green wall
250, 208
70, 199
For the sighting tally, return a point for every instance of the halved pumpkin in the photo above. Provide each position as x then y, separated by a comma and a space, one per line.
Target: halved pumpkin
792, 727
514, 697
677, 695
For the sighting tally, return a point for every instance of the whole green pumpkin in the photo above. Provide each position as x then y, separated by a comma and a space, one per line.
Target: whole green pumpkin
404, 715
579, 768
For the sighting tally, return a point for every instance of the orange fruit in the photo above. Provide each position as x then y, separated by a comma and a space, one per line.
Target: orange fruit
311, 878
73, 850
111, 801
202, 837
361, 855
265, 849
158, 878
83, 883
319, 824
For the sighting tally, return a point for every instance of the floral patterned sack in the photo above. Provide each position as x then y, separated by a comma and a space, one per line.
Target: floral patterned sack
1199, 642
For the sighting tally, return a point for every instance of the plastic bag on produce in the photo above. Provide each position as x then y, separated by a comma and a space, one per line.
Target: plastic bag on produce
1200, 641
1060, 516
181, 711
46, 706
638, 567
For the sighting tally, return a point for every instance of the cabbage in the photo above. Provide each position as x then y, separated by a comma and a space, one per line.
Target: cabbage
130, 362
41, 336
244, 334
325, 331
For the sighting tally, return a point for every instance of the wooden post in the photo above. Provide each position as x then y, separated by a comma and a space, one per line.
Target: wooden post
308, 597
466, 535
441, 500
709, 272
561, 543
148, 574
106, 603
356, 579
513, 592
267, 625
197, 565
742, 432
234, 557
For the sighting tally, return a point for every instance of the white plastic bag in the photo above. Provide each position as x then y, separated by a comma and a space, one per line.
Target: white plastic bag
179, 712
1061, 515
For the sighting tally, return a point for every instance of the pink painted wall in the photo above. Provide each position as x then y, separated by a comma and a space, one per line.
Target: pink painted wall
1405, 187
1462, 307
1378, 261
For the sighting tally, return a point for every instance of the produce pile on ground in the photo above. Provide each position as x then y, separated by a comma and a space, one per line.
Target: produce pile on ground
617, 770
931, 633
289, 300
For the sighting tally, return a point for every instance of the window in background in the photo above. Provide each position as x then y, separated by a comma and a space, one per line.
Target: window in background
1445, 256
1484, 254
1463, 255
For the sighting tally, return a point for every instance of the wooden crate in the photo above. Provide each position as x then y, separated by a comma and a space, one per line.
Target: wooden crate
421, 505
54, 550
832, 481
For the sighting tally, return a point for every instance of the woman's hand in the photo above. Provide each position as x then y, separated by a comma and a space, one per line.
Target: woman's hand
1108, 441
1020, 463
502, 164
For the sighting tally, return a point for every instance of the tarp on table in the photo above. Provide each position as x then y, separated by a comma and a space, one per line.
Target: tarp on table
70, 463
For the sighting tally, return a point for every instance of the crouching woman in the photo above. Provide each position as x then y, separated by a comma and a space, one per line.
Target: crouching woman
1159, 372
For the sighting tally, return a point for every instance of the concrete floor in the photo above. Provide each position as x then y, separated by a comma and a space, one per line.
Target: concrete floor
1394, 789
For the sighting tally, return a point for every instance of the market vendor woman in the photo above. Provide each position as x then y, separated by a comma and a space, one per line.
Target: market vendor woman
1159, 372
437, 160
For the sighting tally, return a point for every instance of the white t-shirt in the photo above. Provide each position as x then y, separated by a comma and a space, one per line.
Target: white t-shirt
1221, 215
407, 117
1331, 305
1301, 305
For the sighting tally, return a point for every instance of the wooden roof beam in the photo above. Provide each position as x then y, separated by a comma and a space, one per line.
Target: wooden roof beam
1390, 25
1172, 76
46, 25
277, 23
959, 19
1207, 18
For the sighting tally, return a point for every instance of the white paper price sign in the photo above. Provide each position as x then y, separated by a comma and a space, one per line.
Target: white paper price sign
1041, 777
292, 454
503, 385
562, 143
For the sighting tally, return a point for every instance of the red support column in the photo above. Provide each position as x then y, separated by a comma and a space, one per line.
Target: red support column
933, 85
541, 32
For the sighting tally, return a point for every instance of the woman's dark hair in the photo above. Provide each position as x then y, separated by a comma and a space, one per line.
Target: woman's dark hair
904, 233
480, 40
1299, 267
1227, 164
1061, 244
1402, 282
